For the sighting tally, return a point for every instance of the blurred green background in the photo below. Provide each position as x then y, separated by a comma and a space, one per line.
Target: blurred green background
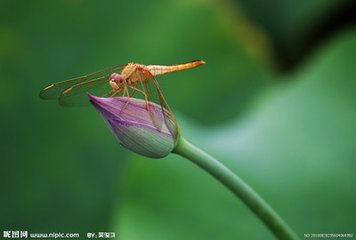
275, 102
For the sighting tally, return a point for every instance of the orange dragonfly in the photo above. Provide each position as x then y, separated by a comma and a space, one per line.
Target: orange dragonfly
125, 79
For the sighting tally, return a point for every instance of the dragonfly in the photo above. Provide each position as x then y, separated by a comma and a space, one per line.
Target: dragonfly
125, 79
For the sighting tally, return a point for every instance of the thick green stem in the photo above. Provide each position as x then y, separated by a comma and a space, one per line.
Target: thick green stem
243, 191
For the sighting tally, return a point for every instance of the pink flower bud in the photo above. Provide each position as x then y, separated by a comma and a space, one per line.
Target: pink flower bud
139, 130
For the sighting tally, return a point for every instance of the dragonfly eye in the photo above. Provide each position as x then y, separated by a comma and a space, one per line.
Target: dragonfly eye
115, 77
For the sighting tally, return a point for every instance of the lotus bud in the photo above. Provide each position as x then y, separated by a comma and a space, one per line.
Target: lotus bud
146, 132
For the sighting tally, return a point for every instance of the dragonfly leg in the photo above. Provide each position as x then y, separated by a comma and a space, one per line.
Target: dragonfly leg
128, 96
113, 92
125, 92
134, 88
145, 94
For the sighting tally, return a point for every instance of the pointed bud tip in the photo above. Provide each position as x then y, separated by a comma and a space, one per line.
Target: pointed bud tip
92, 98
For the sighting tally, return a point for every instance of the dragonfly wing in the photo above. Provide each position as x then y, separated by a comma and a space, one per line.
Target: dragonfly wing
76, 95
169, 118
156, 118
152, 89
54, 91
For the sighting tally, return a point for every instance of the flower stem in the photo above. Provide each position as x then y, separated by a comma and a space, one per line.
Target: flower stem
243, 191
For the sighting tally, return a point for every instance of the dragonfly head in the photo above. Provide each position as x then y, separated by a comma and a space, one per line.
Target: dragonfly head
116, 80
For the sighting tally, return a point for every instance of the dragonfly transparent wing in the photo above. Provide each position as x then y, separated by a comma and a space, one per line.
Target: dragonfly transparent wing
154, 94
76, 95
79, 86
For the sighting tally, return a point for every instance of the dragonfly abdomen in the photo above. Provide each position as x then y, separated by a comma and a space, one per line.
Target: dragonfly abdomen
159, 69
